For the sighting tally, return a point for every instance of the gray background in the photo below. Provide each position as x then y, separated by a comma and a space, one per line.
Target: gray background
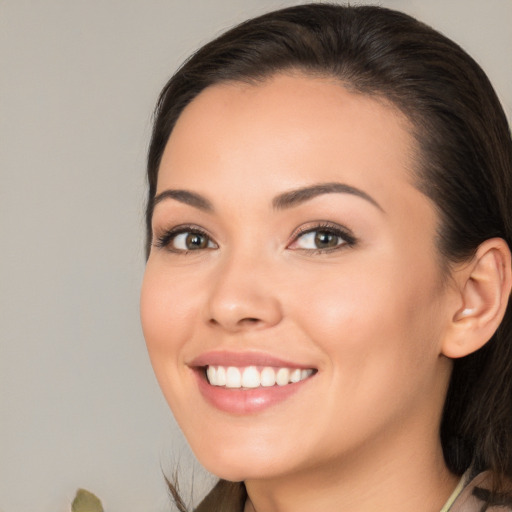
79, 406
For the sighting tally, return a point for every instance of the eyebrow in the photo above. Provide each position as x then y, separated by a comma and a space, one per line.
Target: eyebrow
186, 197
280, 202
301, 195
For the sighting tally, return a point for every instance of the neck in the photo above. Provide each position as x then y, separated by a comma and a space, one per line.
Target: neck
410, 476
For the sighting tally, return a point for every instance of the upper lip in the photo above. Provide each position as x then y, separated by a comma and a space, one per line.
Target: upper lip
243, 359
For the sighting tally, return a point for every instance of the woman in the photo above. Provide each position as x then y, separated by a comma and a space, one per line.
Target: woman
325, 299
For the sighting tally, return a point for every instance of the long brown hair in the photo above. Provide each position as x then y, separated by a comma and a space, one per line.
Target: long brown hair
465, 167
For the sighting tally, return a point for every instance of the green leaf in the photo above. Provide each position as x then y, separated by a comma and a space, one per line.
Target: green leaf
86, 501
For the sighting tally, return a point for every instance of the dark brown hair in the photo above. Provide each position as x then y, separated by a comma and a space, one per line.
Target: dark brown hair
464, 164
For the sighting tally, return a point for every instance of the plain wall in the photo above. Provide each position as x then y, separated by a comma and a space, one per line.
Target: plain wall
79, 406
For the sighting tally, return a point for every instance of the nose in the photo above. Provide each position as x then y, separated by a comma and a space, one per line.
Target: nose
242, 297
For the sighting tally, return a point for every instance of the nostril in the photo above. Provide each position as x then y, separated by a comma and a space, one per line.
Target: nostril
242, 321
249, 311
249, 321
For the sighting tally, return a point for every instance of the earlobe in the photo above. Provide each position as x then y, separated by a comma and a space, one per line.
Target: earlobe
484, 286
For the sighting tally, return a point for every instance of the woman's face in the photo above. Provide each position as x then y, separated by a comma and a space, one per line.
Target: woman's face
290, 243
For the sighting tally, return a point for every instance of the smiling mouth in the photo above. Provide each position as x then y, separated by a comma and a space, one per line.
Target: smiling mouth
251, 377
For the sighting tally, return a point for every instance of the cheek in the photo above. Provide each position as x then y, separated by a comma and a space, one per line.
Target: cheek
379, 331
383, 314
166, 305
167, 317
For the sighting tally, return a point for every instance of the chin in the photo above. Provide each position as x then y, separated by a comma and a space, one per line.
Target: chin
240, 470
237, 463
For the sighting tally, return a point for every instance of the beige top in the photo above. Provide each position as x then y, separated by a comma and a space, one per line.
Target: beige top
463, 499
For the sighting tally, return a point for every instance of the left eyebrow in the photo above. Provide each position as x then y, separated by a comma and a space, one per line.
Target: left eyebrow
185, 197
301, 195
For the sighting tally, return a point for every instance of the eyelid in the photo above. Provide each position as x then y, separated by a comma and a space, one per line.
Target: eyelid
163, 238
166, 236
344, 233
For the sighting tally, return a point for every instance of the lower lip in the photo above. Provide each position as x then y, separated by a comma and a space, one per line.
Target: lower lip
245, 401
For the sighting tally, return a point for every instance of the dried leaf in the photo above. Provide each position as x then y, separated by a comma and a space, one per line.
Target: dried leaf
86, 501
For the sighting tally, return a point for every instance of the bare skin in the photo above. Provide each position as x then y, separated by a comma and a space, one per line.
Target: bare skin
370, 313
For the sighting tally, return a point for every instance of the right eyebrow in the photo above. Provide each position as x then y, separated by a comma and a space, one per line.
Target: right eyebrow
301, 195
183, 196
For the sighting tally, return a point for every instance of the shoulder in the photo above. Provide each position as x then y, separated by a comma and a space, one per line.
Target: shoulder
476, 496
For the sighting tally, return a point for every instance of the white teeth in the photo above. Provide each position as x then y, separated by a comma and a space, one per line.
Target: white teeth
283, 376
304, 374
251, 377
220, 375
211, 373
233, 378
295, 375
268, 377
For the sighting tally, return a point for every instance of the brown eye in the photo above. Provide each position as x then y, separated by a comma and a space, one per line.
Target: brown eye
318, 239
326, 239
194, 241
322, 239
186, 240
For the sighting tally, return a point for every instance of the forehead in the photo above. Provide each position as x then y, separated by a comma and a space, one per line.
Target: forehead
298, 128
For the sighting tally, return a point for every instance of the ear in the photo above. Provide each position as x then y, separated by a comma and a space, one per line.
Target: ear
483, 286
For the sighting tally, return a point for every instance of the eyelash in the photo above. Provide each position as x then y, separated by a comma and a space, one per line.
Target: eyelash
165, 239
348, 240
